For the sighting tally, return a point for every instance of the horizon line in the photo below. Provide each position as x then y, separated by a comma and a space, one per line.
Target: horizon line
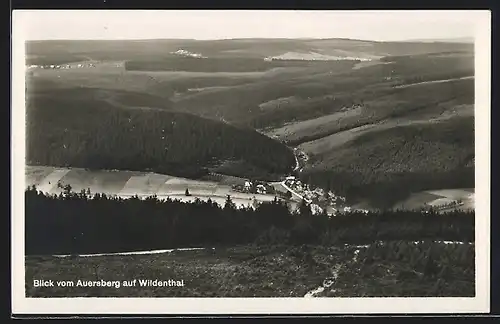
417, 40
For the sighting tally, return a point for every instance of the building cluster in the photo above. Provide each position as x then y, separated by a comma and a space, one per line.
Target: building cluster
64, 66
447, 205
182, 52
316, 57
255, 187
318, 198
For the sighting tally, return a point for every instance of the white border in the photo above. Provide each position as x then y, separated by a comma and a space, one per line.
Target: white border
479, 304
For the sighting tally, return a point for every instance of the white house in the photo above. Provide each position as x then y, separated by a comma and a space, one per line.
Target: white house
315, 209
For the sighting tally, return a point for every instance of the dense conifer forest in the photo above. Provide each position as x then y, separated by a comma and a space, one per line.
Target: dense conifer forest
422, 157
92, 133
94, 223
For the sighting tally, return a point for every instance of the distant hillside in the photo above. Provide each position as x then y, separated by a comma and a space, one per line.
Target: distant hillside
72, 127
336, 86
386, 166
463, 40
71, 95
70, 50
215, 65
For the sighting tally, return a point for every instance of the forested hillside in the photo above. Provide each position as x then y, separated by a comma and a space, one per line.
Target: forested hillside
388, 165
92, 132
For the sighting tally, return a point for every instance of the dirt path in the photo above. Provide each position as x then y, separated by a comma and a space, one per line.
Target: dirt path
329, 281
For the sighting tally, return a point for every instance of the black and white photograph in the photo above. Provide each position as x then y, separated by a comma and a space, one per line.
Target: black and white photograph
302, 161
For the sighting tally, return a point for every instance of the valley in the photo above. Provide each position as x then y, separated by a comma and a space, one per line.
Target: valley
251, 167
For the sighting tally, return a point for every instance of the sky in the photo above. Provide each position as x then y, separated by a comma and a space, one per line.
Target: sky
226, 24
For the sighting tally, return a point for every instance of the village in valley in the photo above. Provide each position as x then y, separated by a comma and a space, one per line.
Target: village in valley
63, 66
292, 189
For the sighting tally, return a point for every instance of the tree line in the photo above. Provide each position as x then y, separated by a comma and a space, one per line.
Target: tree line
71, 223
226, 64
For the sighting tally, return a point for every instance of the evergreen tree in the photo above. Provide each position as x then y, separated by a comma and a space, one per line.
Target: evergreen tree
305, 208
229, 204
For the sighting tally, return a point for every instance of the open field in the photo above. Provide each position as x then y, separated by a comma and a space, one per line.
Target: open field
438, 198
314, 56
126, 184
273, 271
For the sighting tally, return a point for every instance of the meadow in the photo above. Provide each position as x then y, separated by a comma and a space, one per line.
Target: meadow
129, 184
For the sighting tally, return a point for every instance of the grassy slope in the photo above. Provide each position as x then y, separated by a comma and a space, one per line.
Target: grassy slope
397, 270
